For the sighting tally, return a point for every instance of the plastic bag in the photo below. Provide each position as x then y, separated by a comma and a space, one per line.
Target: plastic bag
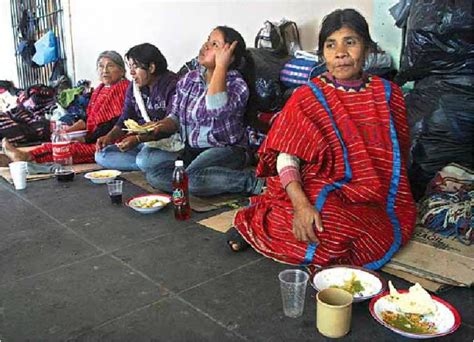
266, 91
438, 40
441, 118
46, 49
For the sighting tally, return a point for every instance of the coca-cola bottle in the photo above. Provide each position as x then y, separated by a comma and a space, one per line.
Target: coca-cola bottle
62, 153
182, 209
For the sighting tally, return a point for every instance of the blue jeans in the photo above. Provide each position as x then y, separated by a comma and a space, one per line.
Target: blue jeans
215, 171
140, 158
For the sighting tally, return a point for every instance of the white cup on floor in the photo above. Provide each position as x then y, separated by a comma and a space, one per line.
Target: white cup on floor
18, 171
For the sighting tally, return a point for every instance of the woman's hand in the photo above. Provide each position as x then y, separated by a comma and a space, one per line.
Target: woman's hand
305, 220
224, 56
128, 143
102, 142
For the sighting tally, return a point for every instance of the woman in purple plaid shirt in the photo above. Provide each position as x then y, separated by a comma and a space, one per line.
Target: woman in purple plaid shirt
208, 110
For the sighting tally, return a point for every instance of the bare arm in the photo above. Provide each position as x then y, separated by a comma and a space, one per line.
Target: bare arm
77, 126
305, 215
109, 138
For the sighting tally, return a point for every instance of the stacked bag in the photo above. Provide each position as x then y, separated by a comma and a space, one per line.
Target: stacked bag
439, 56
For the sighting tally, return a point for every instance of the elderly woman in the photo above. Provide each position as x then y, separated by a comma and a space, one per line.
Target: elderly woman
148, 99
335, 161
103, 110
208, 110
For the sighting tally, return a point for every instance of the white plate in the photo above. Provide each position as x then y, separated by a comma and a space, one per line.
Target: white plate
335, 276
446, 319
77, 134
102, 176
137, 202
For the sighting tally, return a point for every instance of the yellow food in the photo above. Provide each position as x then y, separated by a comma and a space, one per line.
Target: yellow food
412, 323
416, 301
102, 174
353, 285
149, 203
134, 126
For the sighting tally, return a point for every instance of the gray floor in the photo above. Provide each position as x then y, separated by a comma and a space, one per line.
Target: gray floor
72, 266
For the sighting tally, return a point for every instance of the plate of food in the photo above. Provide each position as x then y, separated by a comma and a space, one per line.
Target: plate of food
147, 204
77, 134
135, 127
360, 282
414, 313
102, 176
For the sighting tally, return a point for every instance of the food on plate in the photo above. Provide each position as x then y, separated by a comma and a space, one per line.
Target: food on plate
416, 301
102, 174
409, 322
149, 203
352, 285
135, 126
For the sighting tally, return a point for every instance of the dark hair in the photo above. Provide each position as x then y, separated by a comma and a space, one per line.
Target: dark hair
240, 52
146, 54
349, 18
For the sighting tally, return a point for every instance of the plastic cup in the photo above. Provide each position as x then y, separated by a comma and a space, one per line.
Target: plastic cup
115, 191
333, 312
293, 290
18, 172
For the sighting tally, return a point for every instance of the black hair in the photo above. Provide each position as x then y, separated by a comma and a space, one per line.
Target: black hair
349, 18
146, 54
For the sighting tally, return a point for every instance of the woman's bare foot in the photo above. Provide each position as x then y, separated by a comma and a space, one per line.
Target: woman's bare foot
13, 153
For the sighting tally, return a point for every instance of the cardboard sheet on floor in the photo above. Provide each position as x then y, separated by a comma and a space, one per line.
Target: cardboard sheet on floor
79, 168
198, 204
221, 222
427, 284
432, 256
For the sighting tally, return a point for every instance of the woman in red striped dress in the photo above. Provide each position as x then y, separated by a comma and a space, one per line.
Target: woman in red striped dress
334, 160
103, 110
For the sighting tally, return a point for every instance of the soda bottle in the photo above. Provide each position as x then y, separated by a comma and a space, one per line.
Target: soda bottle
182, 209
62, 153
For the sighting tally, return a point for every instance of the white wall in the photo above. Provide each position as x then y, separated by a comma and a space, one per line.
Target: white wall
179, 27
7, 49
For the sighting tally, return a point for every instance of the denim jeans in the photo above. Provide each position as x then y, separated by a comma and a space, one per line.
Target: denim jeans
140, 158
215, 171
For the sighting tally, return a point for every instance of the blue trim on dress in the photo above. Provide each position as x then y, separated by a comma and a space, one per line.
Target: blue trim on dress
322, 196
392, 192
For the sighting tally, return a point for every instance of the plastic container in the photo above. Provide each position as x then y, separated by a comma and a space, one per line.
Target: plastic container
182, 209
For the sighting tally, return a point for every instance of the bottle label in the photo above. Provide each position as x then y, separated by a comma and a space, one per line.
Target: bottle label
178, 197
61, 151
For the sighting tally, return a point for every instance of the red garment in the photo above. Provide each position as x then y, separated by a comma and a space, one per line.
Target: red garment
358, 229
105, 104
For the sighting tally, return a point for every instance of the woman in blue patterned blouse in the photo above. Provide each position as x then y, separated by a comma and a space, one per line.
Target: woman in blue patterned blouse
208, 110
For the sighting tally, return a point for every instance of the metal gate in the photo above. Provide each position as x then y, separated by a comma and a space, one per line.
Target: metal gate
31, 19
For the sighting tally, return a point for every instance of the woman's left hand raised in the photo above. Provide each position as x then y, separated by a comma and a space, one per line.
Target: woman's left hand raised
224, 56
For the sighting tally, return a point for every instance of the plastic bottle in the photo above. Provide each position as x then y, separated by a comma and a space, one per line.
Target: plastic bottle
182, 209
62, 153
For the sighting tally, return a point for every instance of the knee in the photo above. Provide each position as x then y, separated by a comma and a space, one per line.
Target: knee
142, 162
99, 157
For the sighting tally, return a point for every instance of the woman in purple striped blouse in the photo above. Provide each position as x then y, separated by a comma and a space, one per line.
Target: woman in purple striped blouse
208, 110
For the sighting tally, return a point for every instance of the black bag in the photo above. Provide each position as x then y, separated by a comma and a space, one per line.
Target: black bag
438, 40
441, 121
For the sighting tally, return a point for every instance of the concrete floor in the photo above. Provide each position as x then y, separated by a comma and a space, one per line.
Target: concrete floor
74, 267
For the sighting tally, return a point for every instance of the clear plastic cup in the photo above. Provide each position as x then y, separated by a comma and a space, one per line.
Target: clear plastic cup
293, 285
115, 191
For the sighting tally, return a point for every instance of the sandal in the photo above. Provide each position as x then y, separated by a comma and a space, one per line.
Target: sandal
235, 241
